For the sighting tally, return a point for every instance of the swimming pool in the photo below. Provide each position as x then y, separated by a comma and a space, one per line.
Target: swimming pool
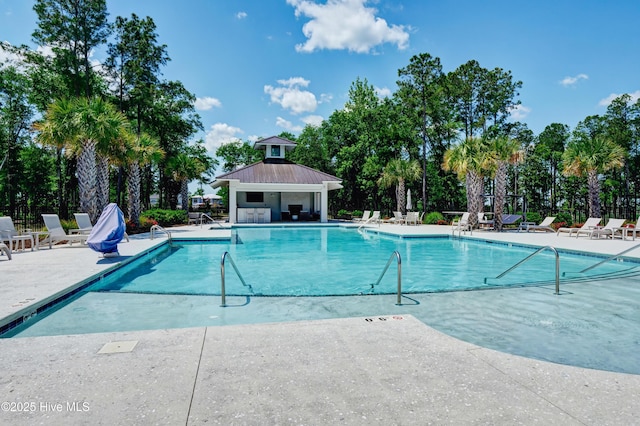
337, 262
179, 286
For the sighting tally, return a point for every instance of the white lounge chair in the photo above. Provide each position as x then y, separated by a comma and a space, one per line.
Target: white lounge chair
375, 218
627, 230
9, 235
397, 218
56, 233
608, 230
84, 224
412, 218
462, 224
6, 250
365, 216
545, 225
591, 223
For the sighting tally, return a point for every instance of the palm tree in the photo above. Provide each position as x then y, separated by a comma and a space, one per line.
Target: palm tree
502, 152
110, 151
185, 167
397, 172
468, 161
142, 151
590, 156
80, 125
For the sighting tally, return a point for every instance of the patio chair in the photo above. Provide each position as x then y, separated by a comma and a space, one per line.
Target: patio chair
591, 223
607, 231
461, 225
365, 215
397, 218
6, 250
375, 218
56, 233
412, 218
484, 222
9, 235
84, 224
627, 230
545, 225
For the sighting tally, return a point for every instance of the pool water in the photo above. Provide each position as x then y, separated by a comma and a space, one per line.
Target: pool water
594, 323
338, 261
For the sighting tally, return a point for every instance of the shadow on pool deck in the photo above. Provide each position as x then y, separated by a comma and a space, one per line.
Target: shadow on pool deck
385, 369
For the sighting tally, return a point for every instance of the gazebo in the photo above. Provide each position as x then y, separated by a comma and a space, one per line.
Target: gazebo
277, 189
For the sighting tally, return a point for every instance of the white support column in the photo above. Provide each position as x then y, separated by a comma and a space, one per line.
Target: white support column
233, 203
324, 203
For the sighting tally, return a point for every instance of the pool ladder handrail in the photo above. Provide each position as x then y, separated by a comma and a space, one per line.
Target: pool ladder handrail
395, 254
203, 215
159, 228
223, 295
529, 257
615, 256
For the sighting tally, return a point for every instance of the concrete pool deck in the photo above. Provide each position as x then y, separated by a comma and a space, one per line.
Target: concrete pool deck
383, 369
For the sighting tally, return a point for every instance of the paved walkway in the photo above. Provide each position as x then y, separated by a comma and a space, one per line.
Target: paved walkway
384, 369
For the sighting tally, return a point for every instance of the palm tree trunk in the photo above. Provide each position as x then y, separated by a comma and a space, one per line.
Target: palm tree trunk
133, 186
87, 179
102, 180
184, 194
500, 192
474, 193
594, 193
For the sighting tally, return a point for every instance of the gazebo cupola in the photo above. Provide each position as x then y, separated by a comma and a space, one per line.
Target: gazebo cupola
274, 147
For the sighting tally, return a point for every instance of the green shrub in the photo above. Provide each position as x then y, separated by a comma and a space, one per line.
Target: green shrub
534, 217
164, 217
564, 217
357, 213
433, 218
68, 224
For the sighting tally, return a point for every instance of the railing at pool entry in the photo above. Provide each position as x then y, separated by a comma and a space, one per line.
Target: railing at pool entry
529, 257
395, 254
155, 228
223, 295
608, 259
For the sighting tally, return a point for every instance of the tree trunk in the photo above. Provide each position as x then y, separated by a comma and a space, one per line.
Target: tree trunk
500, 192
133, 186
87, 179
474, 193
102, 181
594, 193
184, 194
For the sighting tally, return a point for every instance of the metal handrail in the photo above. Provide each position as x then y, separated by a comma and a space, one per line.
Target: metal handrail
397, 255
222, 276
529, 257
615, 256
369, 220
159, 228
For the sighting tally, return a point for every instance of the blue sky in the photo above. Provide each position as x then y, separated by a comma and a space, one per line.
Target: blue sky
261, 67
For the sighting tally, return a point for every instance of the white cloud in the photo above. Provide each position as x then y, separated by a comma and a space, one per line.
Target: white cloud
346, 24
519, 112
383, 92
290, 97
607, 101
241, 15
206, 103
287, 125
572, 81
220, 133
313, 120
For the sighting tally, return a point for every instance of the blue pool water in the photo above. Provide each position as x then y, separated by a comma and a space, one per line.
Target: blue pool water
593, 323
337, 261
